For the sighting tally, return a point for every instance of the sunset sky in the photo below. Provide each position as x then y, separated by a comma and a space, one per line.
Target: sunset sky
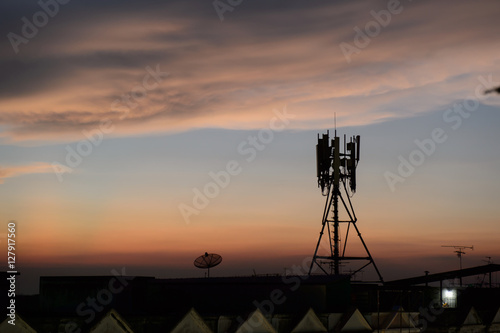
114, 116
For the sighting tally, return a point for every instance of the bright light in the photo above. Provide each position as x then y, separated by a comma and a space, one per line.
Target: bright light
450, 298
449, 293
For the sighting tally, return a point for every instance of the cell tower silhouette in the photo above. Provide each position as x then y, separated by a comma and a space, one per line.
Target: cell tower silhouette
336, 173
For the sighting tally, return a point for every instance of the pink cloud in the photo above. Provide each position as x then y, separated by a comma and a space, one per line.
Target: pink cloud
19, 170
232, 75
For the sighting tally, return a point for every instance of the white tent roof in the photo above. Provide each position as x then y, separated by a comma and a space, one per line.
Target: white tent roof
20, 326
310, 323
472, 318
112, 323
256, 323
356, 323
192, 322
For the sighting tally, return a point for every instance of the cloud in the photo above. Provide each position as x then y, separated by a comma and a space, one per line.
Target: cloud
19, 170
232, 74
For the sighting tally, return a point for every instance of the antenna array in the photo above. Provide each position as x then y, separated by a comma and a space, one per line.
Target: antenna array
333, 165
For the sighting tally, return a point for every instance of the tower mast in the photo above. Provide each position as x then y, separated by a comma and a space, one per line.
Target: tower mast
336, 172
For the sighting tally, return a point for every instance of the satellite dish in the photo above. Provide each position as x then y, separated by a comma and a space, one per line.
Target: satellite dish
207, 261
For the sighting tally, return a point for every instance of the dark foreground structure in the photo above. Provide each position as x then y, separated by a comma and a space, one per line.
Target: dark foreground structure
118, 304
